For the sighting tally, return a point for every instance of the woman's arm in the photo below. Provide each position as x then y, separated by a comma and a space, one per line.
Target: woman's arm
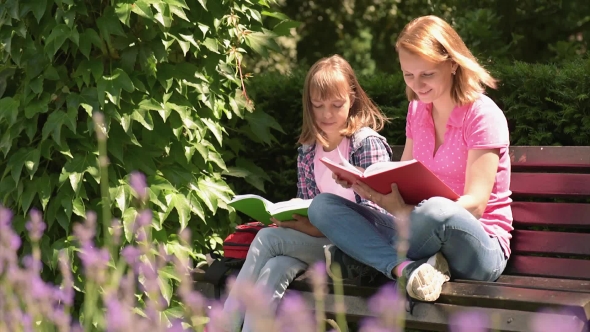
408, 153
480, 176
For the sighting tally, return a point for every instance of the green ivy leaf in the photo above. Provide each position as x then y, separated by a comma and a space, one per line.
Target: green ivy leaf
260, 42
113, 85
29, 158
211, 45
59, 34
9, 107
129, 217
56, 121
144, 117
79, 208
37, 106
44, 187
123, 11
75, 168
39, 7
203, 3
142, 8
215, 128
182, 207
28, 195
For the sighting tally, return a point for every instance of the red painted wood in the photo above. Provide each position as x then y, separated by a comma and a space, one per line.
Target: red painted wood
550, 156
553, 243
549, 267
550, 184
551, 214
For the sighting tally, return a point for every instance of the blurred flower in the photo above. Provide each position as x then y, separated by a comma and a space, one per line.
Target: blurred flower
561, 320
469, 321
35, 226
318, 276
374, 325
139, 185
294, 314
85, 232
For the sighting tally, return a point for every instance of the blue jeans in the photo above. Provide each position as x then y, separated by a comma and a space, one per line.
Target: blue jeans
436, 224
274, 259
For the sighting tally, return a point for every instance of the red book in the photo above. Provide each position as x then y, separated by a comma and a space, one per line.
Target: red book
414, 181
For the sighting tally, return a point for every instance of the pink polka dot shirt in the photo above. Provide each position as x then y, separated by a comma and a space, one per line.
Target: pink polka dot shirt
480, 125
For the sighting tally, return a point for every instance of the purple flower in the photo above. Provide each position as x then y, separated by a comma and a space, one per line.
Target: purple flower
35, 226
118, 316
144, 218
95, 262
374, 325
387, 301
318, 276
85, 232
548, 320
66, 294
295, 315
176, 326
117, 231
469, 321
138, 183
131, 255
5, 217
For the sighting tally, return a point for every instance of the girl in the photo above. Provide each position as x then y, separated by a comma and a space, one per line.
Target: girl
462, 136
339, 119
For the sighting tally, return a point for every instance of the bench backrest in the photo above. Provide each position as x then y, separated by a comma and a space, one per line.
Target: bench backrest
551, 209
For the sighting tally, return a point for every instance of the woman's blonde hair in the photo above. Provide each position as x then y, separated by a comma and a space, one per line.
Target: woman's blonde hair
435, 40
333, 77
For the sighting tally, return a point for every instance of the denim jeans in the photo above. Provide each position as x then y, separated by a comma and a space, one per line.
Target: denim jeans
436, 224
274, 259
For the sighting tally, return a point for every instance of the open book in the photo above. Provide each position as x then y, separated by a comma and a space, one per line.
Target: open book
414, 181
261, 209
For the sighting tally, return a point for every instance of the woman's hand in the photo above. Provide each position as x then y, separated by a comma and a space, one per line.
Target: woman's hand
392, 202
301, 224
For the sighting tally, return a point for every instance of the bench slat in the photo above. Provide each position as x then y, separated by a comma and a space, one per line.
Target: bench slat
550, 184
555, 243
436, 316
538, 283
551, 214
550, 156
549, 267
526, 299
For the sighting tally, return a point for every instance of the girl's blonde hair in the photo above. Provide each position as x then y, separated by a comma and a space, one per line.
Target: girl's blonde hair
333, 77
435, 40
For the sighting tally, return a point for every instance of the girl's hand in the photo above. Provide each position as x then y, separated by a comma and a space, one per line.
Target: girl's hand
301, 224
341, 181
392, 202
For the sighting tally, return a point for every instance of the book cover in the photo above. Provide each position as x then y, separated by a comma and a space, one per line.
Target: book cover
260, 209
414, 180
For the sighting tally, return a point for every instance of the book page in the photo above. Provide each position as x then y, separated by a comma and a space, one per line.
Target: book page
268, 204
381, 167
291, 205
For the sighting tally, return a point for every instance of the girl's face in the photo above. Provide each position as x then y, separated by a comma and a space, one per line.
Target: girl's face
430, 81
330, 114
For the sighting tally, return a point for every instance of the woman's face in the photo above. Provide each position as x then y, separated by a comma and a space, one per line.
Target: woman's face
429, 80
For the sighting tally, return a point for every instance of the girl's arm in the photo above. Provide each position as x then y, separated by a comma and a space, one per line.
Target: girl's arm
480, 176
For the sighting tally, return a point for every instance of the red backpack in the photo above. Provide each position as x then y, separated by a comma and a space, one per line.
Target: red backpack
236, 245
235, 249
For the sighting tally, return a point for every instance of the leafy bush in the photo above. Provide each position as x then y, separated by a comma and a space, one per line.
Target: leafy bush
165, 74
544, 104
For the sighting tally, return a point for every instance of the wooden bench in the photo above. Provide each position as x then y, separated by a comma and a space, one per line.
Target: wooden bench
550, 263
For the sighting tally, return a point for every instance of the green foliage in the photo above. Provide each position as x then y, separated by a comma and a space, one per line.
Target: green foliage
544, 104
365, 31
165, 73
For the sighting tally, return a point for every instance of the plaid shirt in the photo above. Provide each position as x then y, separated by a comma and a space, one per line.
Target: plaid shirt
366, 148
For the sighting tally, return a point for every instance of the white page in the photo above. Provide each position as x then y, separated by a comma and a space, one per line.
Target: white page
290, 205
268, 204
385, 166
